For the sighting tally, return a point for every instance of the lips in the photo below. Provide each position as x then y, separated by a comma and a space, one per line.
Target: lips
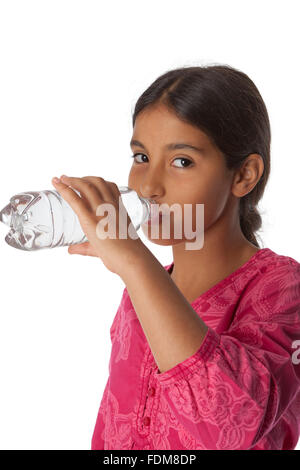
155, 215
155, 219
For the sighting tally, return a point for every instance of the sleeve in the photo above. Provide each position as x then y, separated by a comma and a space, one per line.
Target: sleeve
235, 388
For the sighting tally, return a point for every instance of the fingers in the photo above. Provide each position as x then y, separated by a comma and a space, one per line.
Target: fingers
73, 199
87, 190
96, 186
114, 189
84, 249
93, 191
107, 189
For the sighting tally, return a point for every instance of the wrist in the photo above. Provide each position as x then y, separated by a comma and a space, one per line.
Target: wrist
135, 257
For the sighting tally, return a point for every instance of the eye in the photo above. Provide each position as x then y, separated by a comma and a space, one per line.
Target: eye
186, 161
186, 164
136, 154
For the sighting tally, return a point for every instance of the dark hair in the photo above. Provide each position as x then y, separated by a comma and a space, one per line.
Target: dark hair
224, 103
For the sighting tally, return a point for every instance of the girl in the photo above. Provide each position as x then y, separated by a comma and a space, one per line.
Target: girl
203, 350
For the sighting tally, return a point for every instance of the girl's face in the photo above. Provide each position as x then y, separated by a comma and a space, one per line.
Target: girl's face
177, 175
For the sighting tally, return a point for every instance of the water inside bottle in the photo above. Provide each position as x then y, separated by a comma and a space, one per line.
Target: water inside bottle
45, 220
40, 220
27, 230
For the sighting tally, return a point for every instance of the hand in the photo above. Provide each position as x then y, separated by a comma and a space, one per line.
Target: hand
94, 191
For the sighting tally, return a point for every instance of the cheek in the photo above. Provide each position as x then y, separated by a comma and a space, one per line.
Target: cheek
215, 199
213, 191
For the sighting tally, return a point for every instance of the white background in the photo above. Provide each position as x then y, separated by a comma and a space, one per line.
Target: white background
71, 72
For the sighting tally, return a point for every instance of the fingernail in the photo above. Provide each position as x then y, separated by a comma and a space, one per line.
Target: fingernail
56, 180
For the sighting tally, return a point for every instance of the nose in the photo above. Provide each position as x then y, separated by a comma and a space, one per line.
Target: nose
151, 184
151, 189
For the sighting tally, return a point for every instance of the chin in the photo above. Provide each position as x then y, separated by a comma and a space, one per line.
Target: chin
160, 240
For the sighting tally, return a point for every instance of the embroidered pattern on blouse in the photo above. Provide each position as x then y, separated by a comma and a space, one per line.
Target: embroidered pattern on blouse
240, 390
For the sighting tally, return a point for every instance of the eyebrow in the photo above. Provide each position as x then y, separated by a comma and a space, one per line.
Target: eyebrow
173, 146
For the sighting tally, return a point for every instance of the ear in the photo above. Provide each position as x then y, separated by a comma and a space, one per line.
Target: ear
247, 177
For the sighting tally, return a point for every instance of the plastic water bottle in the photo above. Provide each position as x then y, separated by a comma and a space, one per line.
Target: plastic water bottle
43, 219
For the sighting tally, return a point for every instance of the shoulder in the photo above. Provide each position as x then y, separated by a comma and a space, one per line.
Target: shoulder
272, 260
275, 288
277, 273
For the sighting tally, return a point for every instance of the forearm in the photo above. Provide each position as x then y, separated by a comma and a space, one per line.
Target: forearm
172, 327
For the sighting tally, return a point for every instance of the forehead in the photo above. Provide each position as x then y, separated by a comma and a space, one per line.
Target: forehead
160, 122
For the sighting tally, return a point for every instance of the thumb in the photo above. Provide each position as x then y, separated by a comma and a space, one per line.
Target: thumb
84, 249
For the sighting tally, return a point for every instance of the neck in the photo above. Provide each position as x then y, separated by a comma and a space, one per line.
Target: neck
224, 250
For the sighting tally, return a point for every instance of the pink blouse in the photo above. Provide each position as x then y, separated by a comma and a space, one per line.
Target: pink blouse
240, 390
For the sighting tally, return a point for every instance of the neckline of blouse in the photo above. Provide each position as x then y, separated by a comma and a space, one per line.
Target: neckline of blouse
259, 254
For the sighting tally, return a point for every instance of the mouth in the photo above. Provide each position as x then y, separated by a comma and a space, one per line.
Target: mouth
155, 215
155, 219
